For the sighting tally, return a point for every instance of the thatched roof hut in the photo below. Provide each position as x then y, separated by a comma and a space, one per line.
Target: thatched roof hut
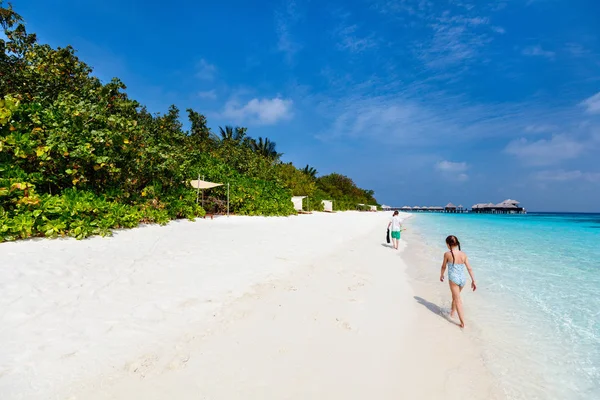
450, 206
505, 205
509, 201
508, 206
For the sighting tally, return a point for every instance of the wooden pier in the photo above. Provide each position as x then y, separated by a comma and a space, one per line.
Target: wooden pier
506, 207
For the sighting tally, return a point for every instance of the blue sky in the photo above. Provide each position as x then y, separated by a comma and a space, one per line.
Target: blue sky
423, 101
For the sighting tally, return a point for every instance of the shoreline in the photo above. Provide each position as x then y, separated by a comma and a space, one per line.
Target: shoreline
512, 335
422, 266
268, 320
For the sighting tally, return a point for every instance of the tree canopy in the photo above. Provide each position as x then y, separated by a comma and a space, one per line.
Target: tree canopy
78, 157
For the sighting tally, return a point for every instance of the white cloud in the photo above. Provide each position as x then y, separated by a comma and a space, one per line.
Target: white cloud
453, 170
205, 70
540, 128
259, 111
414, 8
349, 40
566, 176
285, 20
592, 104
449, 166
208, 94
459, 30
348, 35
546, 152
538, 51
576, 49
418, 116
455, 41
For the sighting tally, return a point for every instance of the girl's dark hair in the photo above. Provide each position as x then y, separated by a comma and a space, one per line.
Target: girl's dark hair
452, 241
396, 212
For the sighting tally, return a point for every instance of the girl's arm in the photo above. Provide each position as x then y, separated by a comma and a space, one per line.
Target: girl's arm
473, 284
443, 269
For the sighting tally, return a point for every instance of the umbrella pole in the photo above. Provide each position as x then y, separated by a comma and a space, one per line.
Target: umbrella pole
228, 199
202, 194
198, 190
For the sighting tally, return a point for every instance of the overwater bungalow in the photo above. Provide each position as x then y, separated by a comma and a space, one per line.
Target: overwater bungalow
450, 208
508, 206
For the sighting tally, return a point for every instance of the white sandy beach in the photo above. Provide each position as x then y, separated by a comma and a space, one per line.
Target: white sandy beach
313, 306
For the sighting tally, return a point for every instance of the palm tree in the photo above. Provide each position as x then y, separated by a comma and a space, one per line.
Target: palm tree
236, 134
310, 171
266, 148
199, 130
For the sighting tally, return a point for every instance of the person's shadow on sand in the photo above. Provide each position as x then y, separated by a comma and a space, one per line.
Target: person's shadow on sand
434, 308
389, 246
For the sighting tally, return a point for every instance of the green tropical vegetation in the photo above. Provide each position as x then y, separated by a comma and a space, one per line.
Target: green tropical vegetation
78, 157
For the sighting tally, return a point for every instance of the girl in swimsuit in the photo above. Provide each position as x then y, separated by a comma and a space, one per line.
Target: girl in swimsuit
456, 261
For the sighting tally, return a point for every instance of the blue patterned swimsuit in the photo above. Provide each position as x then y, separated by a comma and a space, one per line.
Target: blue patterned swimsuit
456, 274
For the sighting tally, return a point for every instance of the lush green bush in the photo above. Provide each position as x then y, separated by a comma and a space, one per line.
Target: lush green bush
79, 158
298, 182
344, 192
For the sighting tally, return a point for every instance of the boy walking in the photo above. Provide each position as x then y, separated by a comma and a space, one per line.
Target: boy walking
396, 226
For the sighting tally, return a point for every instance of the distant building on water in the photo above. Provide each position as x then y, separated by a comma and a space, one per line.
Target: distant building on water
506, 207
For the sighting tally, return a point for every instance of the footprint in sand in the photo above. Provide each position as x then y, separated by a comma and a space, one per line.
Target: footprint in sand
188, 303
344, 324
356, 286
142, 366
178, 362
68, 355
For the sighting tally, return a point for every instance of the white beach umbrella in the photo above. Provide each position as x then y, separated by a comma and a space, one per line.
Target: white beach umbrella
200, 184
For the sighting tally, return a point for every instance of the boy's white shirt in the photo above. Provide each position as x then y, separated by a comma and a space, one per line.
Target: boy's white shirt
396, 223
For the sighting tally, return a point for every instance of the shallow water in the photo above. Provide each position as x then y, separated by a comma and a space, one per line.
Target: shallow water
537, 306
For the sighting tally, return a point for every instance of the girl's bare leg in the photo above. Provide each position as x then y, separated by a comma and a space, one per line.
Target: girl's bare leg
453, 311
457, 301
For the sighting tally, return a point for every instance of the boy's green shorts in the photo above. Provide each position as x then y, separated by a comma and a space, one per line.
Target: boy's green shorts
395, 234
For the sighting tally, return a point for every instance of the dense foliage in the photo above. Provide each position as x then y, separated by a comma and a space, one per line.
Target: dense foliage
79, 157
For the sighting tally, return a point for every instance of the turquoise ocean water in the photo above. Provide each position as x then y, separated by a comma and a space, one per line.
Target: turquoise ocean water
537, 307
